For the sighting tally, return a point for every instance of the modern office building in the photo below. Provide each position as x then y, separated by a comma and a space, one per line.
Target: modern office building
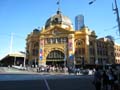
79, 22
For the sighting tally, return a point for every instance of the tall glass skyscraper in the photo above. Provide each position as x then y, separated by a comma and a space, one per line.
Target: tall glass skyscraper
79, 22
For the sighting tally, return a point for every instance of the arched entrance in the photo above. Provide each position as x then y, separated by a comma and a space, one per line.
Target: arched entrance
55, 58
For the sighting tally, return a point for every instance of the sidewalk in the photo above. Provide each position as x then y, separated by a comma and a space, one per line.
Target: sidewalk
6, 70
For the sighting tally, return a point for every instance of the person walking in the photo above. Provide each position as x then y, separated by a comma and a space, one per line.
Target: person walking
105, 80
97, 79
111, 76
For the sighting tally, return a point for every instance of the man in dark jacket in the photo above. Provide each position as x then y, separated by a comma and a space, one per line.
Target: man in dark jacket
97, 79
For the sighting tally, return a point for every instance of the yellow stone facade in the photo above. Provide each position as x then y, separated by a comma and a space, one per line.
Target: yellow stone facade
58, 43
117, 53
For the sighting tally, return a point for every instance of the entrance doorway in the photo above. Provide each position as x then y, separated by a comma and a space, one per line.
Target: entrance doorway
55, 58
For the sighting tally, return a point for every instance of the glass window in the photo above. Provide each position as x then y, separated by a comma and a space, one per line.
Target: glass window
53, 40
48, 40
59, 40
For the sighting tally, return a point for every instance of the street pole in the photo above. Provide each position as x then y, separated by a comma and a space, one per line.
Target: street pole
117, 15
24, 60
36, 57
65, 53
116, 12
15, 60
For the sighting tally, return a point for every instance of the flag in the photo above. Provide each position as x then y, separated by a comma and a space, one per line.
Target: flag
41, 54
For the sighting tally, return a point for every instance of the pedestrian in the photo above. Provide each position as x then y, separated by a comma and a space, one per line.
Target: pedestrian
97, 79
105, 81
111, 79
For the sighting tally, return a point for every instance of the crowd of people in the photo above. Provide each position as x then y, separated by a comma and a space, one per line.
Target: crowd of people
52, 68
104, 79
107, 79
64, 69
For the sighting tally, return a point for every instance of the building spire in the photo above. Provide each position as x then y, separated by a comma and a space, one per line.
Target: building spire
58, 4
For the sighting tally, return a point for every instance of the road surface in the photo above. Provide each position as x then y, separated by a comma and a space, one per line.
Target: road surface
45, 82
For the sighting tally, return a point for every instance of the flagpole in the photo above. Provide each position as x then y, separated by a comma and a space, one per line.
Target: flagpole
58, 3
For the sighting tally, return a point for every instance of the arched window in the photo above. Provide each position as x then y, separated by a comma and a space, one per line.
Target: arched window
55, 54
79, 42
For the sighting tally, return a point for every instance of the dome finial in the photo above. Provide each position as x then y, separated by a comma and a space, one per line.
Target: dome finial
58, 3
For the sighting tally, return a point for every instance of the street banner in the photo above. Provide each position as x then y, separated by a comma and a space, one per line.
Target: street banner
41, 49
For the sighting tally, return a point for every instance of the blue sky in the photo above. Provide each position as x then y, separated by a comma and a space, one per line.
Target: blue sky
20, 17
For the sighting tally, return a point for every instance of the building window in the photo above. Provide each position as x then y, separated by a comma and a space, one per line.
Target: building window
33, 52
79, 43
53, 40
48, 40
36, 44
91, 50
91, 43
83, 51
59, 40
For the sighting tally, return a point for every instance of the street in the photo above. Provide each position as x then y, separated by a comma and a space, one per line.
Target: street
45, 82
